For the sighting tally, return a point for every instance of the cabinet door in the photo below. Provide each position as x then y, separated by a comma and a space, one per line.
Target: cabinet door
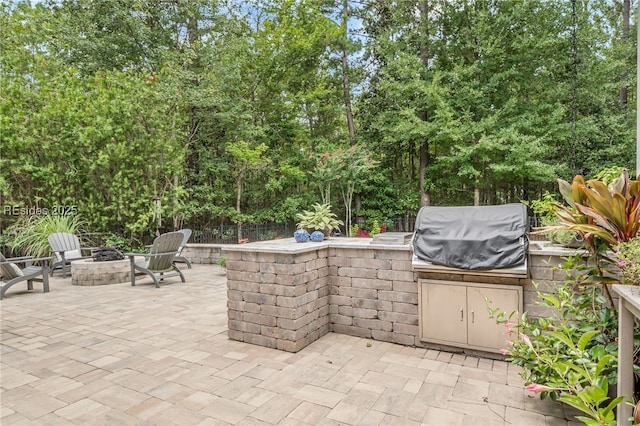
443, 313
483, 331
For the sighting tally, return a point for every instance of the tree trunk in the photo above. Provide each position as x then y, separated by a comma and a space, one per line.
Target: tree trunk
346, 89
476, 193
238, 198
345, 75
425, 198
177, 221
626, 9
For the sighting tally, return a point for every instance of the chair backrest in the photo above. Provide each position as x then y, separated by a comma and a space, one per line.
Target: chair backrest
167, 245
64, 241
9, 270
187, 234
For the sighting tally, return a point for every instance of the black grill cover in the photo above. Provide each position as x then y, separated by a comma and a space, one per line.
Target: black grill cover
484, 237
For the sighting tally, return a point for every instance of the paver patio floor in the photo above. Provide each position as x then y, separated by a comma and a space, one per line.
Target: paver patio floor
122, 355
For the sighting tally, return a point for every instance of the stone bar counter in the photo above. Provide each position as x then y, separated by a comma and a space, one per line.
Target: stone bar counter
285, 295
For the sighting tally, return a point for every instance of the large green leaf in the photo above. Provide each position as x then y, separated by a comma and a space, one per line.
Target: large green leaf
585, 339
563, 338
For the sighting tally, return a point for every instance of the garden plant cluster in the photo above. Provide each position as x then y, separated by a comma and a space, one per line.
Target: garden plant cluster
571, 356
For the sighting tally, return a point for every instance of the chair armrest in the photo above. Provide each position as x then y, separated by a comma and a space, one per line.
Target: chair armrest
26, 259
17, 259
149, 254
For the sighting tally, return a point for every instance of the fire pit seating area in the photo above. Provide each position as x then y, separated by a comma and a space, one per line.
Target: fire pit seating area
105, 266
285, 295
108, 266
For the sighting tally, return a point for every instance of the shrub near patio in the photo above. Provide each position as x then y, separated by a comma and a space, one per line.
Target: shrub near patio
628, 256
571, 356
321, 218
28, 235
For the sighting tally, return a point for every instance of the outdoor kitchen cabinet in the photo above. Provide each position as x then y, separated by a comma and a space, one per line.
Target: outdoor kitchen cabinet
455, 313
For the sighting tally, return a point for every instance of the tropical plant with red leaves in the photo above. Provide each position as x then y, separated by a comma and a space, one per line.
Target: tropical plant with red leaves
604, 216
599, 212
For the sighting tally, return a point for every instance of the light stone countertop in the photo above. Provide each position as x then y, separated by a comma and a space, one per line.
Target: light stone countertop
289, 245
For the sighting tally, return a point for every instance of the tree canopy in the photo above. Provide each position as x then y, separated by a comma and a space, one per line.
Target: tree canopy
220, 111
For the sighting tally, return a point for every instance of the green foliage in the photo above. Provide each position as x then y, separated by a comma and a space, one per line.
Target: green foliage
609, 174
375, 228
109, 105
344, 168
246, 158
222, 261
326, 173
384, 195
29, 235
121, 243
570, 353
582, 386
283, 210
109, 142
495, 113
320, 219
603, 216
627, 255
545, 209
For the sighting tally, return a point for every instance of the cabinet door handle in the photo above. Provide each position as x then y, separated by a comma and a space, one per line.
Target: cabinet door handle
473, 317
461, 314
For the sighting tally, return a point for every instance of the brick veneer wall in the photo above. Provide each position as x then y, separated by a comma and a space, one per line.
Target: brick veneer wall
287, 299
203, 253
374, 294
278, 300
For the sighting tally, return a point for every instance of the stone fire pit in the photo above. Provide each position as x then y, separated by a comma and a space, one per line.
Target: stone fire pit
88, 272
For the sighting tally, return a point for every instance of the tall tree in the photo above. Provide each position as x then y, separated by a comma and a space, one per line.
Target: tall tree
626, 13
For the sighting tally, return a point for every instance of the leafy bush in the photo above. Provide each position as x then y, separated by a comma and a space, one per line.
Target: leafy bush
121, 243
29, 235
628, 255
570, 355
609, 174
320, 219
603, 216
375, 228
545, 209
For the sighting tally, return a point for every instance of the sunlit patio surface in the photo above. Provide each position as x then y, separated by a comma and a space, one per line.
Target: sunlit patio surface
121, 355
